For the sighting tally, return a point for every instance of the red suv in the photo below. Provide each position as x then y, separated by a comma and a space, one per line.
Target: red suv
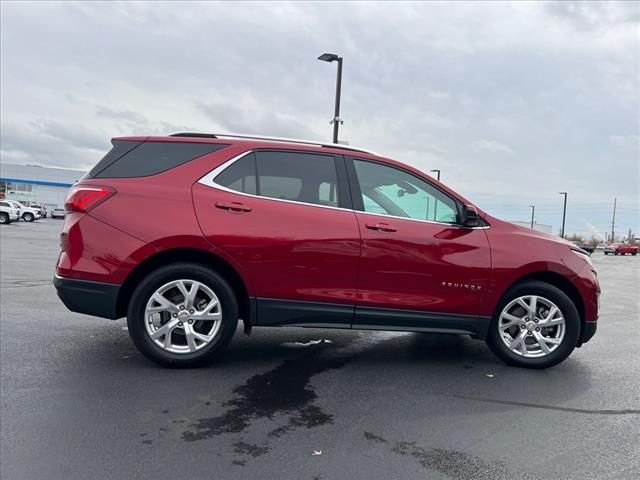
186, 234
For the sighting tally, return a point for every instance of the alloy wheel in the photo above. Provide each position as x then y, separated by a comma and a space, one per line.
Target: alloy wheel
531, 326
183, 316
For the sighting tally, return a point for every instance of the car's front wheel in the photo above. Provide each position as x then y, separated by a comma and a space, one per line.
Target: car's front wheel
182, 315
4, 218
536, 325
28, 217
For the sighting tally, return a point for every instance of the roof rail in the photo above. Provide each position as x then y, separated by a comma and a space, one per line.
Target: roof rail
273, 139
197, 135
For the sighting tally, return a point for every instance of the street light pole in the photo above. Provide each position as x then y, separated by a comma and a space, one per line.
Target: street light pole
331, 57
533, 214
564, 212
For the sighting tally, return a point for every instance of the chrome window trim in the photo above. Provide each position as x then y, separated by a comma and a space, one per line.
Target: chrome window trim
208, 180
450, 225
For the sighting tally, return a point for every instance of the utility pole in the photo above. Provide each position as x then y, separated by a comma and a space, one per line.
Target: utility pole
564, 212
613, 220
533, 214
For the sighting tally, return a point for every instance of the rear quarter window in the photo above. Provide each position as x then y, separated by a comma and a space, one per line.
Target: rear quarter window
128, 159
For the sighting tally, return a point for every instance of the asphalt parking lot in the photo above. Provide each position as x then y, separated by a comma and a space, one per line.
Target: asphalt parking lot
78, 401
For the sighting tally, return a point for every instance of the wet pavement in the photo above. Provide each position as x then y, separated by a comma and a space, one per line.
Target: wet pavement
78, 401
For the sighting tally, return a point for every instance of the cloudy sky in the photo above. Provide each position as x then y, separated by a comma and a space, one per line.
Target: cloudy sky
513, 102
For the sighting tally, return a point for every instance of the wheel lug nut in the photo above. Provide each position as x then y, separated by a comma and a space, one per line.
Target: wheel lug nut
536, 320
537, 329
522, 327
175, 315
190, 321
179, 324
181, 307
191, 310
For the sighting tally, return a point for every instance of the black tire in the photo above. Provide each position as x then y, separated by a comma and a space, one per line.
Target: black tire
4, 218
634, 253
569, 313
191, 271
28, 217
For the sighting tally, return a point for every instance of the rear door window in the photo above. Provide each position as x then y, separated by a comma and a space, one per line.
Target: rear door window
240, 176
293, 176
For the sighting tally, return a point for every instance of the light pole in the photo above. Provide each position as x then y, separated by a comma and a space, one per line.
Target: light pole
564, 211
330, 57
533, 214
437, 174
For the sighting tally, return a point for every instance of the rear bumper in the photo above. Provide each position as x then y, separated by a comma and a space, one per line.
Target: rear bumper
91, 298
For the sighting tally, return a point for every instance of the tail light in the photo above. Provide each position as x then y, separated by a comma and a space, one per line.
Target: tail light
84, 198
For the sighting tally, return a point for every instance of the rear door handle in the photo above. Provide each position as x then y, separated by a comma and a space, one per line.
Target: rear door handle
381, 227
233, 207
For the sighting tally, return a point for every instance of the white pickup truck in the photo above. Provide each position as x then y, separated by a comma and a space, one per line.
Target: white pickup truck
27, 214
8, 213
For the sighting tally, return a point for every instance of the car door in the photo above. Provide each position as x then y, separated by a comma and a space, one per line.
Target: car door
286, 219
419, 268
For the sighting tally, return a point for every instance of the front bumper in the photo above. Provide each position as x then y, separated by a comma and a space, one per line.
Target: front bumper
91, 298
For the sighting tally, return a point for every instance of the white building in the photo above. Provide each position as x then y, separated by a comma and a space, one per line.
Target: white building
32, 183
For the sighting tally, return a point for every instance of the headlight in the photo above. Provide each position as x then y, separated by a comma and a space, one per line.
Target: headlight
583, 256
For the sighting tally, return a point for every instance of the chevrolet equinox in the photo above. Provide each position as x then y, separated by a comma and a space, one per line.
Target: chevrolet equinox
186, 234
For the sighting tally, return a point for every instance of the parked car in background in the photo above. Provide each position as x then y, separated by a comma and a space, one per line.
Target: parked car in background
40, 207
57, 213
27, 214
585, 246
620, 249
291, 232
8, 212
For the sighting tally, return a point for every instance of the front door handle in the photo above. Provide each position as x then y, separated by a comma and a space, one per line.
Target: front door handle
233, 207
381, 227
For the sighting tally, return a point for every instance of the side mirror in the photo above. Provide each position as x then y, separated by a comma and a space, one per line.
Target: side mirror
470, 217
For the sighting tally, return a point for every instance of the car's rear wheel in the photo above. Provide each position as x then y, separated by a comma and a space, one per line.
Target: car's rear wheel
535, 325
4, 218
28, 217
182, 315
